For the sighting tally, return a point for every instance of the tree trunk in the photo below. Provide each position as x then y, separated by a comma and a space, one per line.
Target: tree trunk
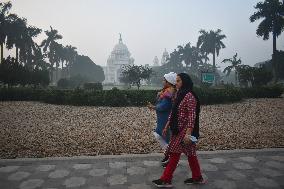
274, 43
2, 55
62, 75
17, 54
56, 79
214, 68
138, 85
236, 77
274, 61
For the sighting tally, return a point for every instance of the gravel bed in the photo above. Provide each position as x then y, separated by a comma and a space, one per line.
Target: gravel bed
33, 129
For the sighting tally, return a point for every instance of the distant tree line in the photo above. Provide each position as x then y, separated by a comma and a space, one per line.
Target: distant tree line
194, 59
49, 55
12, 73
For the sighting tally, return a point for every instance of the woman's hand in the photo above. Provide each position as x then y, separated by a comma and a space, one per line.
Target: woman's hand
150, 106
186, 139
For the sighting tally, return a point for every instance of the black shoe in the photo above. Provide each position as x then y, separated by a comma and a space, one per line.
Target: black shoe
165, 160
200, 180
164, 165
162, 184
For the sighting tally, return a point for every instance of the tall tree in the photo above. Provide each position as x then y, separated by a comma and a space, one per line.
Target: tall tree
28, 47
50, 45
235, 63
271, 11
5, 17
192, 57
71, 55
15, 37
211, 43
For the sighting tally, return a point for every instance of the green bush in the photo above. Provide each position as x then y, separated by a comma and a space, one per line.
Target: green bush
118, 98
218, 96
262, 92
93, 86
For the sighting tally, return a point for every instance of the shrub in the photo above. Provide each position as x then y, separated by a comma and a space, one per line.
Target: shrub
118, 98
262, 92
93, 86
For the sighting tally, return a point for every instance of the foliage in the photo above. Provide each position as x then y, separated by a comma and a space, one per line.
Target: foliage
235, 63
93, 86
13, 73
84, 66
273, 91
119, 98
72, 82
133, 74
255, 76
271, 12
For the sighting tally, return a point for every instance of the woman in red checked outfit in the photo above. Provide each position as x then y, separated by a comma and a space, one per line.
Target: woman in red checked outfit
184, 124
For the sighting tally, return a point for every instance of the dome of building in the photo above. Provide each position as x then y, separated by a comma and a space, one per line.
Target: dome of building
119, 57
120, 48
165, 57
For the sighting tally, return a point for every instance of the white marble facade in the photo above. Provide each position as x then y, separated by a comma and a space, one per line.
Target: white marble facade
165, 57
119, 57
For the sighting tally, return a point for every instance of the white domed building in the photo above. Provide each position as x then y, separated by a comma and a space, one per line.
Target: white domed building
119, 57
165, 57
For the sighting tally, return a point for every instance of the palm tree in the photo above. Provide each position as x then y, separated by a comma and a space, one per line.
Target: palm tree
273, 22
235, 63
38, 59
58, 56
186, 54
71, 55
4, 22
16, 29
192, 57
28, 47
49, 43
211, 42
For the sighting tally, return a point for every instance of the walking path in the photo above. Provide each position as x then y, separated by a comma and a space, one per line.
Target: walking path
230, 169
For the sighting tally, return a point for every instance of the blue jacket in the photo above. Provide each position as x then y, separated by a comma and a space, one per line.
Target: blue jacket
163, 110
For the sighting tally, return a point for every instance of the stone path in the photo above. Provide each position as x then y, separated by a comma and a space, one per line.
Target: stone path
223, 169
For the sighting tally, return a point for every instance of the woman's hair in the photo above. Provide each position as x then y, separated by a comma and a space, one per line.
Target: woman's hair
187, 86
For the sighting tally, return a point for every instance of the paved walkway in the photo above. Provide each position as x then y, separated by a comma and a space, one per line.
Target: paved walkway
243, 169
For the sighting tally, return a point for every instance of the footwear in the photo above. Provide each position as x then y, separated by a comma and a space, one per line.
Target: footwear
165, 160
164, 165
162, 184
200, 180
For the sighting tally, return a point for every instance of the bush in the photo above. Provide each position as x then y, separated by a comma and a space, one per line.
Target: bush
262, 92
63, 83
93, 86
218, 96
118, 98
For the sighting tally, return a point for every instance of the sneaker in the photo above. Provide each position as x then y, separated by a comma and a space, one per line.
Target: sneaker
162, 184
165, 160
164, 165
200, 180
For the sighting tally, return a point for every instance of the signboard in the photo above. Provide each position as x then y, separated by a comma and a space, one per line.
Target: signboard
207, 77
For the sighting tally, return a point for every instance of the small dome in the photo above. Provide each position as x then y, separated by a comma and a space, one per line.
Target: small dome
120, 48
165, 53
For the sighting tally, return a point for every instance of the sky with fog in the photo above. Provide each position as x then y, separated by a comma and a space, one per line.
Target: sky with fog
148, 26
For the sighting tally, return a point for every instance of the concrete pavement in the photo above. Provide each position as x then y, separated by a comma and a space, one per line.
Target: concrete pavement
244, 169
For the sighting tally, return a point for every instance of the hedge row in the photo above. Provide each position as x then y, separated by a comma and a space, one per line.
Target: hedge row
117, 97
